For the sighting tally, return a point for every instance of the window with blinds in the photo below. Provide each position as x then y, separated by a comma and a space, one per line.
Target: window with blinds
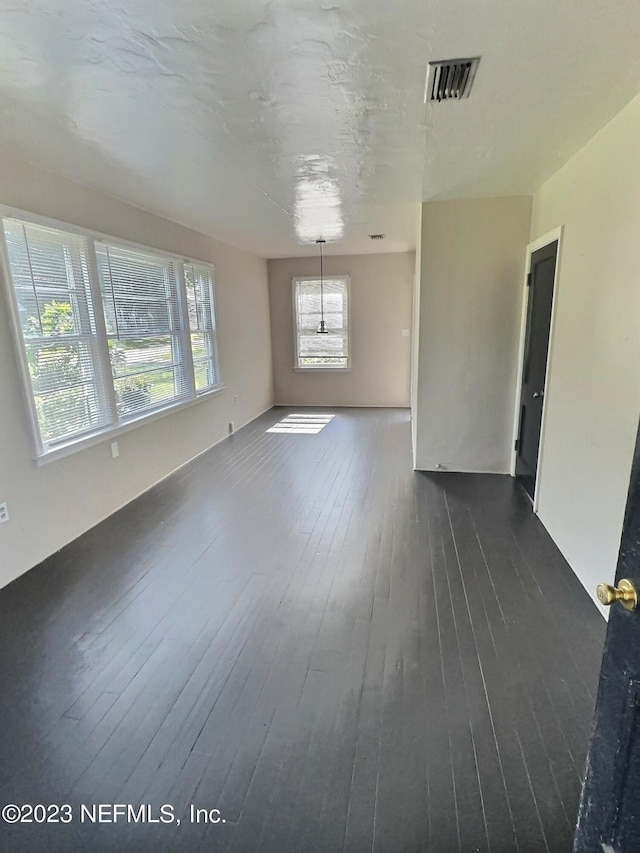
108, 333
312, 303
202, 325
53, 292
141, 306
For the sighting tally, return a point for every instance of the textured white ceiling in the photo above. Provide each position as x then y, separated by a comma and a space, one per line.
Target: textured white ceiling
271, 124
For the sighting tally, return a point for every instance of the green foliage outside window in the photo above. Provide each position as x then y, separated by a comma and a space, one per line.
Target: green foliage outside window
56, 370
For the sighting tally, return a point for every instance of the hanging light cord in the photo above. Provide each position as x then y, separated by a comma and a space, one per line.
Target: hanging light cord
322, 326
321, 286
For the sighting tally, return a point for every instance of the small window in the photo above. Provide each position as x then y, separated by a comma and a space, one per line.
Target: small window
314, 302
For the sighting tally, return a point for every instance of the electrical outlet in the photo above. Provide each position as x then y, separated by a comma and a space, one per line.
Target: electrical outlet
4, 513
230, 427
115, 450
236, 399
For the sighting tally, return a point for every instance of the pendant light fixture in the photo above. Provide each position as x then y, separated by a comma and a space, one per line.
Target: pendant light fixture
322, 326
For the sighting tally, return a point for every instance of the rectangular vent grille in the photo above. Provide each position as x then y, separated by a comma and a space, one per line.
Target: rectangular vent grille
450, 79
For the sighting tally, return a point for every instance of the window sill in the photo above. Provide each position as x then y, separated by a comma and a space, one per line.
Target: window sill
323, 369
110, 433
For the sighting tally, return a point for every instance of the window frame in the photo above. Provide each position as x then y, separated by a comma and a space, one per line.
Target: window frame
211, 335
181, 355
45, 452
320, 368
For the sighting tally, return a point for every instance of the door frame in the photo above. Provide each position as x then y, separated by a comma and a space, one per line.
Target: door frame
550, 237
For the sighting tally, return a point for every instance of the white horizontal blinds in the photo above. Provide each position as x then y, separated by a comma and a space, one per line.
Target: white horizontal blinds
332, 349
202, 325
146, 344
50, 276
144, 329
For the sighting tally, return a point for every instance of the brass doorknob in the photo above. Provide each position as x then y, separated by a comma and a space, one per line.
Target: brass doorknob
625, 593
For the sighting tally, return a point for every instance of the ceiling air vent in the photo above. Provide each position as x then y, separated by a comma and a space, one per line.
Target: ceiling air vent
450, 79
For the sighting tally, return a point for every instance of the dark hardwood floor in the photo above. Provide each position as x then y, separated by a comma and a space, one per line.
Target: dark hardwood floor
335, 652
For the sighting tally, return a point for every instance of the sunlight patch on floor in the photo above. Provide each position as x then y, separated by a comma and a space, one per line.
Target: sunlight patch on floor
302, 424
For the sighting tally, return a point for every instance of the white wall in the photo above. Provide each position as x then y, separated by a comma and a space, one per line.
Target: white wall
593, 389
381, 297
471, 273
51, 505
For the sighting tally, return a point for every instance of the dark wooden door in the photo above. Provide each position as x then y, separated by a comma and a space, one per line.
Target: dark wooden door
540, 282
609, 816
